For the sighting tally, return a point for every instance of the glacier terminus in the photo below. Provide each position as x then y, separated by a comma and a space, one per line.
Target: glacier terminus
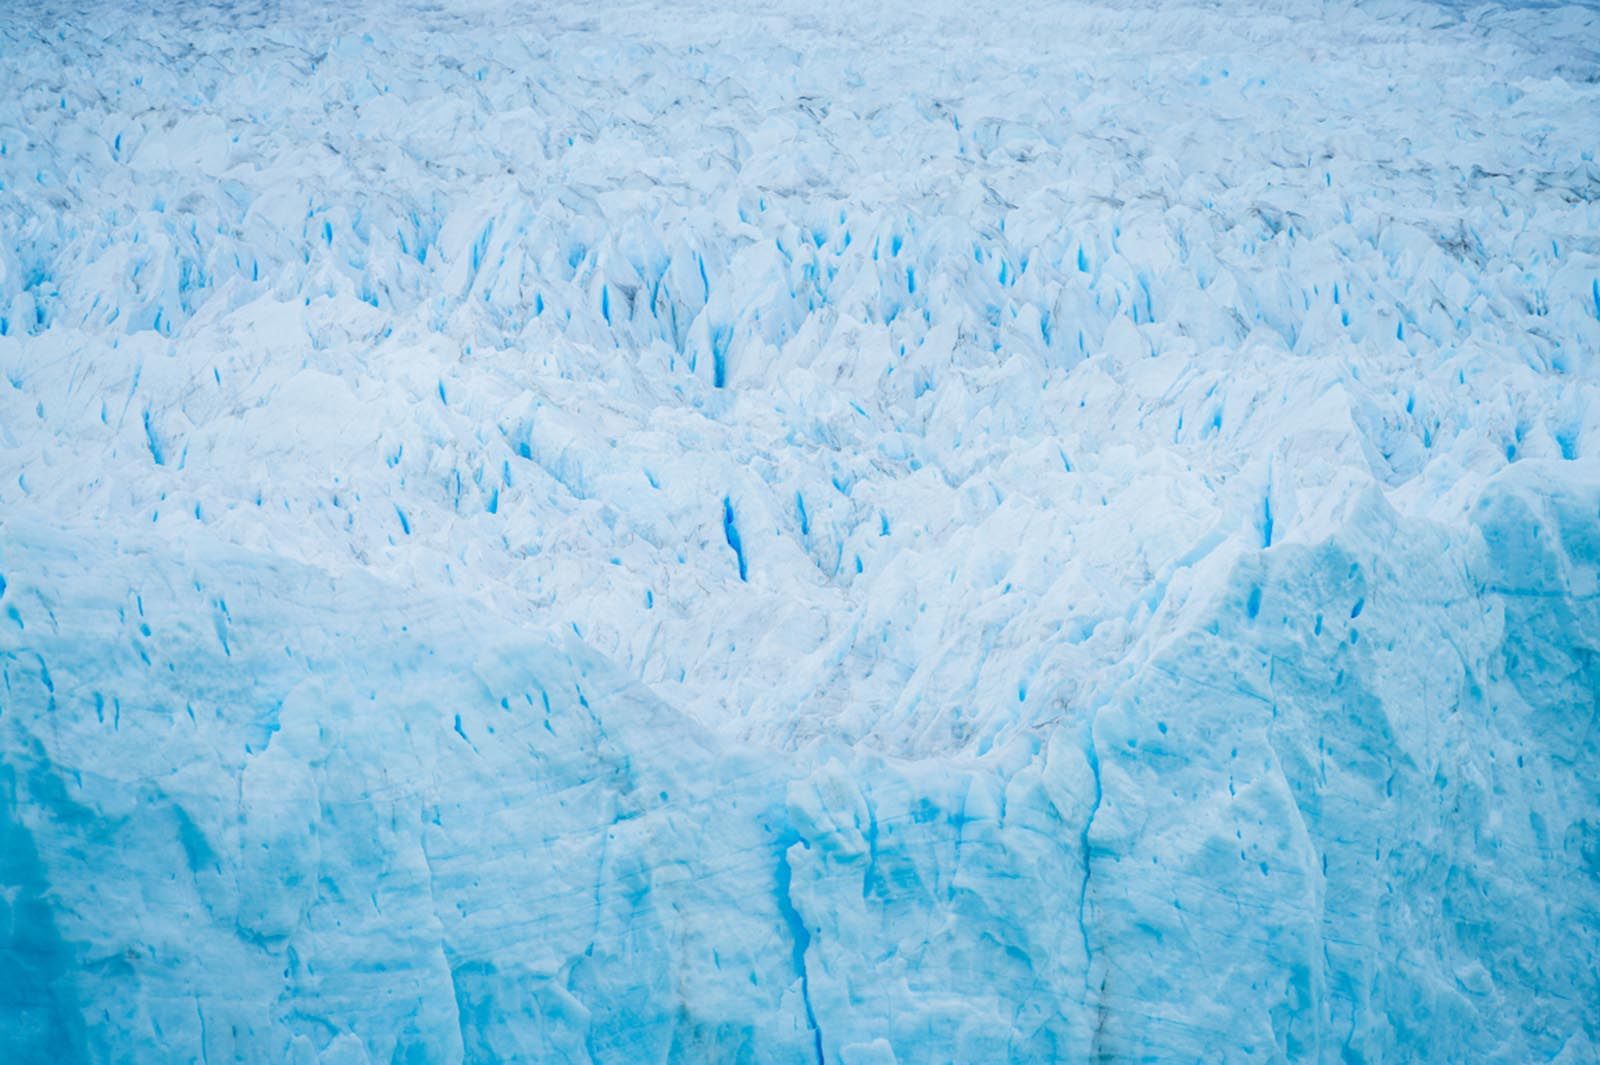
844, 534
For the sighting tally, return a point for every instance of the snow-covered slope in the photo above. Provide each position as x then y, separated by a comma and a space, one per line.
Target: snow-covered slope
625, 533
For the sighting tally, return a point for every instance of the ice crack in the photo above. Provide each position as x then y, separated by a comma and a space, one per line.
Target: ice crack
800, 937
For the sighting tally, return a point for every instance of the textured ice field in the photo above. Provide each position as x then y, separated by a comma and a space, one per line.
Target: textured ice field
826, 533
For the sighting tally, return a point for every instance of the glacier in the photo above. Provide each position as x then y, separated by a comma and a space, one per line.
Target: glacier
618, 532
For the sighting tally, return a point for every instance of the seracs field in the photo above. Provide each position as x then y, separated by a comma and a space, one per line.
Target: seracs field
856, 534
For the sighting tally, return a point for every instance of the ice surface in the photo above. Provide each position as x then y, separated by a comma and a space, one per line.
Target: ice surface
620, 533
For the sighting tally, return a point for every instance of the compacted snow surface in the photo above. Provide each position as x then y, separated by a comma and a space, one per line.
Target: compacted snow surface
825, 533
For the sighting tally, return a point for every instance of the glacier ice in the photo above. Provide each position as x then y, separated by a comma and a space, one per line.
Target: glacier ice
600, 533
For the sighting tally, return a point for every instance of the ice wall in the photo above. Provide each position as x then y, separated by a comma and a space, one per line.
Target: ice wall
256, 812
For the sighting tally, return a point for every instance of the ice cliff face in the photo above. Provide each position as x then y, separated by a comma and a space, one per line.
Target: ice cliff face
613, 534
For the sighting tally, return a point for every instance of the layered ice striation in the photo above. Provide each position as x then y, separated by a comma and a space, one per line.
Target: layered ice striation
598, 533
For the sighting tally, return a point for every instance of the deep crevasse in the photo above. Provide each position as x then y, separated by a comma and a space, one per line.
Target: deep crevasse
602, 534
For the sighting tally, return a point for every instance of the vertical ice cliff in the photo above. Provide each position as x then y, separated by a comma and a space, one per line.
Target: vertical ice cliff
600, 533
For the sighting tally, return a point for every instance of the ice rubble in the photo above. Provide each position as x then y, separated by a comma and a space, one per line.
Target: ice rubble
611, 534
